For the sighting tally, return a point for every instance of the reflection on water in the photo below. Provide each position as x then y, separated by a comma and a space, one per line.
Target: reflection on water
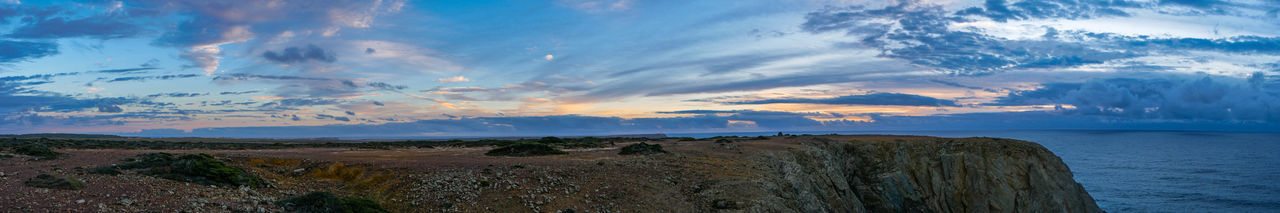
1141, 171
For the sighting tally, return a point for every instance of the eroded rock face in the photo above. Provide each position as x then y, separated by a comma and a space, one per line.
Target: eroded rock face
936, 175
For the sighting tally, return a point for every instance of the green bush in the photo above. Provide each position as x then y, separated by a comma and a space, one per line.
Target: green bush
524, 149
642, 149
54, 182
327, 202
195, 168
37, 150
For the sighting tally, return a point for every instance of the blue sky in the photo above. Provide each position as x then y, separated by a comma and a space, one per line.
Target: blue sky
287, 68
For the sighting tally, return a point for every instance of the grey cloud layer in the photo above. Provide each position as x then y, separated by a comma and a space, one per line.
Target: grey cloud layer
923, 35
1171, 98
887, 99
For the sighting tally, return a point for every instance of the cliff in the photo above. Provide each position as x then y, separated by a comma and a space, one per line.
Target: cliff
922, 174
828, 173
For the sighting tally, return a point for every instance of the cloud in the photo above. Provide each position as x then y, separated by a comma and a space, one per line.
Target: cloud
885, 99
338, 118
159, 77
924, 35
110, 108
207, 25
1169, 98
298, 102
176, 95
1002, 11
294, 55
597, 6
246, 76
455, 90
386, 86
238, 92
16, 100
127, 70
453, 79
932, 36
525, 126
18, 51
98, 27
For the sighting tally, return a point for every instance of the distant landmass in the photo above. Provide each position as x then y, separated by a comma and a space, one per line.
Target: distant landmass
61, 135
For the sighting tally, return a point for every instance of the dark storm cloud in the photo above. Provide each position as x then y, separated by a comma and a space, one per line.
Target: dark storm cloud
294, 55
884, 99
99, 27
16, 51
1170, 98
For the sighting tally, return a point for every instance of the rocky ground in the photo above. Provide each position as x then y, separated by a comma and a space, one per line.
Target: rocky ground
778, 174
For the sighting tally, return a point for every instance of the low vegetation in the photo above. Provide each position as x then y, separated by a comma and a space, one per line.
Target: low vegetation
104, 171
37, 150
236, 144
525, 149
195, 168
642, 149
54, 182
328, 202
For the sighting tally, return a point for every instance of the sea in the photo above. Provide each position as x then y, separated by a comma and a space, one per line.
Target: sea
1150, 171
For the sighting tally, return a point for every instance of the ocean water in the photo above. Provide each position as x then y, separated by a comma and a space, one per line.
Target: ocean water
1153, 171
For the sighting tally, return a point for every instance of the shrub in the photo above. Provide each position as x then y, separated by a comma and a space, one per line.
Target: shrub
327, 202
725, 204
722, 140
37, 150
550, 140
642, 149
195, 168
524, 149
104, 171
54, 182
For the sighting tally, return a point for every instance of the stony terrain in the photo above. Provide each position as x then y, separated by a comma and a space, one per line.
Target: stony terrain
773, 174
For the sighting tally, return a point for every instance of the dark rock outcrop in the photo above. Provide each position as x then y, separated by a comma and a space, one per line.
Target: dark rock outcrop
54, 182
931, 175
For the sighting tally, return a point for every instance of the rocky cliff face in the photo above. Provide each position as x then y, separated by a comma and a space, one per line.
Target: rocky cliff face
919, 175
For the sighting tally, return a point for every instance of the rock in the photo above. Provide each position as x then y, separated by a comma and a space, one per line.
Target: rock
126, 202
54, 182
929, 175
80, 201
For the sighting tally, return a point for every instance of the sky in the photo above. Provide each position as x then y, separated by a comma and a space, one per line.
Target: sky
393, 68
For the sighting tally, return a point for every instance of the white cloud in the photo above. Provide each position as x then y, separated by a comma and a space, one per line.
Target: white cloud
454, 79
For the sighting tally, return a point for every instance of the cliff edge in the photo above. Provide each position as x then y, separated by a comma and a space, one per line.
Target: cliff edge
920, 174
